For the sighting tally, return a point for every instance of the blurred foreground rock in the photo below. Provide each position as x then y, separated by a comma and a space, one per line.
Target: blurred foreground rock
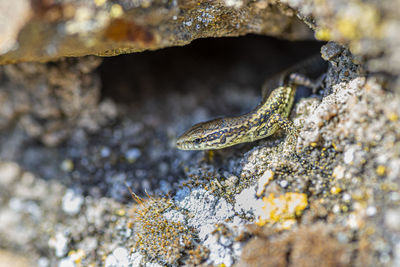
43, 30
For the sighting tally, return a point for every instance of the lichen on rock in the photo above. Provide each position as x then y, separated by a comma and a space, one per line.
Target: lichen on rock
76, 133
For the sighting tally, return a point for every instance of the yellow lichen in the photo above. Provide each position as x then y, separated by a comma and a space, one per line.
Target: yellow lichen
323, 34
392, 116
313, 144
120, 212
359, 20
99, 2
348, 28
283, 209
335, 190
381, 170
116, 11
77, 256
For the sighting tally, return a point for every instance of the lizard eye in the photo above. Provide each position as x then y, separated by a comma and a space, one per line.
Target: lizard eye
197, 140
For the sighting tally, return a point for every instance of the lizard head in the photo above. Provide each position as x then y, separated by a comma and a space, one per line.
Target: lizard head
203, 136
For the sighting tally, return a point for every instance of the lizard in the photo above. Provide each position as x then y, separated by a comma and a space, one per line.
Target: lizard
264, 120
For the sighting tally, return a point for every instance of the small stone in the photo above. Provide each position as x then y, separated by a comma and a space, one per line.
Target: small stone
331, 50
105, 152
336, 190
338, 172
9, 171
72, 202
110, 261
67, 165
371, 211
392, 219
67, 262
349, 156
60, 244
283, 183
136, 259
120, 212
121, 254
346, 197
352, 222
336, 209
132, 155
43, 262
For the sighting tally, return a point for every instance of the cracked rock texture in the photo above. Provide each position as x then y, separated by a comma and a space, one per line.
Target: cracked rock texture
41, 30
77, 134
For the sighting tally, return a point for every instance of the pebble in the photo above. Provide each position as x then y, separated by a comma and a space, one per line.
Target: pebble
136, 259
67, 165
371, 211
349, 156
67, 262
105, 152
392, 219
9, 171
60, 244
118, 258
43, 262
133, 154
72, 202
338, 172
122, 256
283, 183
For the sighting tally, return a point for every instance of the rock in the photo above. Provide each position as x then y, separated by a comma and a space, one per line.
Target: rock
48, 101
48, 30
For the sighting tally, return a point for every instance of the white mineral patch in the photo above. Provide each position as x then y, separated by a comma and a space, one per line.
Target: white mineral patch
349, 156
136, 259
247, 203
59, 243
175, 216
234, 3
152, 264
122, 256
43, 262
392, 219
206, 210
110, 261
72, 202
118, 258
371, 211
66, 262
218, 253
204, 207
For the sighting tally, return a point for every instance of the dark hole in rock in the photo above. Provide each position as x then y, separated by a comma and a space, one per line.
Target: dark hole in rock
246, 61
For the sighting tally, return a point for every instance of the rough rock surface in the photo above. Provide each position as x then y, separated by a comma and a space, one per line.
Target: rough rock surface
70, 206
41, 30
77, 133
